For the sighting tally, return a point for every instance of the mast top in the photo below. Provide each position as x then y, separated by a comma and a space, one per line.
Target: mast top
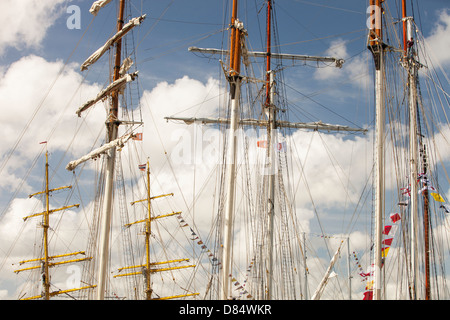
375, 23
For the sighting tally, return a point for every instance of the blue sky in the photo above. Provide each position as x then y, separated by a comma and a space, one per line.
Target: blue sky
298, 22
35, 46
304, 27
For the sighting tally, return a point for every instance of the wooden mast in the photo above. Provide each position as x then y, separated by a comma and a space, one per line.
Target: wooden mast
376, 46
45, 263
148, 232
146, 269
112, 128
426, 226
268, 52
45, 225
405, 40
409, 54
271, 125
413, 152
235, 47
234, 79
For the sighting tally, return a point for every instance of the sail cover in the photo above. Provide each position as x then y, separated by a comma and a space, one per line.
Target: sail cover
126, 65
120, 142
97, 5
116, 85
97, 54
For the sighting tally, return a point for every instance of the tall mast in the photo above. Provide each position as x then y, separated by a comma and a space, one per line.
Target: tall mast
45, 263
412, 67
270, 124
46, 280
268, 52
148, 232
413, 154
426, 233
377, 49
112, 128
271, 113
305, 294
234, 79
413, 150
146, 268
405, 40
349, 270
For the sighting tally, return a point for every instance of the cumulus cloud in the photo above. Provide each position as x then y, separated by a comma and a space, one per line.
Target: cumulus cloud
336, 168
331, 168
355, 69
439, 39
26, 22
47, 94
37, 107
327, 162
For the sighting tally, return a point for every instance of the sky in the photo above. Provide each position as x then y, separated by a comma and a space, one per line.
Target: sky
41, 86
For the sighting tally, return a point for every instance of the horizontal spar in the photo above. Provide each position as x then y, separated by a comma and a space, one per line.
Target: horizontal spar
116, 85
257, 54
120, 142
319, 125
111, 41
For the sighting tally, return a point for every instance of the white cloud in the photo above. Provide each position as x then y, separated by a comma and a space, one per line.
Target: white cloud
26, 22
439, 39
329, 162
355, 69
332, 169
39, 99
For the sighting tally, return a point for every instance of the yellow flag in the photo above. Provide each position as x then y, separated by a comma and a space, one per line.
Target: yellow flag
437, 197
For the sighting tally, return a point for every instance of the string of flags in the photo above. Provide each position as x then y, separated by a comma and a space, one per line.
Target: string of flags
241, 287
426, 185
194, 237
361, 270
389, 232
214, 260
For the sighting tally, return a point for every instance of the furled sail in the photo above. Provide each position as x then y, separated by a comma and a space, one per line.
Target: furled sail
97, 5
116, 85
126, 65
120, 142
318, 125
97, 54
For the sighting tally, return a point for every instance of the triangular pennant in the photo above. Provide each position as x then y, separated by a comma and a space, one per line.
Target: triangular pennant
395, 217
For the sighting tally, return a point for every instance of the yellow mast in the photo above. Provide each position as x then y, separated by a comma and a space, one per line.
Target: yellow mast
146, 268
45, 261
45, 225
148, 230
